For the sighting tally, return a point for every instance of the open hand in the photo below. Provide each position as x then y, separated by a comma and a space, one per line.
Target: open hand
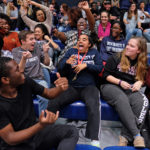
48, 117
61, 82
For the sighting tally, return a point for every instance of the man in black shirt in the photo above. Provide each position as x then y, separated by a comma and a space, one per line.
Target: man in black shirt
18, 127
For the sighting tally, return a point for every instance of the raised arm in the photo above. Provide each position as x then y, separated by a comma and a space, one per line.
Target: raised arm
91, 20
25, 56
29, 22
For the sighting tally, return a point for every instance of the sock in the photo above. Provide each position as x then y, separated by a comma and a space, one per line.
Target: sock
137, 135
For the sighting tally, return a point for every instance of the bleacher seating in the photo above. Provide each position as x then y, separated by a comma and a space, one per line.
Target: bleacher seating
124, 148
84, 147
77, 111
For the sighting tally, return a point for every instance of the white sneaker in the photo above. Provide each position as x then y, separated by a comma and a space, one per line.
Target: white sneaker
95, 143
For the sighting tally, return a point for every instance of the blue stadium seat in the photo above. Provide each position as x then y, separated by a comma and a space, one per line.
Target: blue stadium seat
124, 148
148, 59
78, 111
86, 147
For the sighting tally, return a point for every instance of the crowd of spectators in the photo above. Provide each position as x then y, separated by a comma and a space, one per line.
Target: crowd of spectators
43, 37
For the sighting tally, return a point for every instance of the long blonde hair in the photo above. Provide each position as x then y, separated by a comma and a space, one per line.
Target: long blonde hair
8, 9
29, 9
141, 65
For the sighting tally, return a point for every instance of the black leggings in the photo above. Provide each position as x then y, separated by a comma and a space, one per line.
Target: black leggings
131, 107
90, 95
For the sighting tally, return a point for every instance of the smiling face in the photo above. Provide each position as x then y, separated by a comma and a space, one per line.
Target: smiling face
4, 25
81, 24
83, 44
104, 17
132, 49
40, 16
25, 3
116, 30
29, 43
132, 7
38, 34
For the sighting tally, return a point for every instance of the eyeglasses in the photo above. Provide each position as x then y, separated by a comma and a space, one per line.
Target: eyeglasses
80, 23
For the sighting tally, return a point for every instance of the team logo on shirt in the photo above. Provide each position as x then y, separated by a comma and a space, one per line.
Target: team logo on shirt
131, 71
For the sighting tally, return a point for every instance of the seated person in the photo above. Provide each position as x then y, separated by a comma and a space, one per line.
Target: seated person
104, 26
130, 20
113, 43
19, 129
143, 16
11, 39
81, 66
113, 11
146, 34
124, 74
31, 66
78, 25
63, 21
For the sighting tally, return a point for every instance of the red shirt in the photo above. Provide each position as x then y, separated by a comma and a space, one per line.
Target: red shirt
11, 41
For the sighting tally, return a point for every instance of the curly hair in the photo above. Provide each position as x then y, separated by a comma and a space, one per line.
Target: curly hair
74, 15
141, 65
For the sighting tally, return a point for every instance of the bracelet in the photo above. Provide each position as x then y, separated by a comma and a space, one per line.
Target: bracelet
120, 82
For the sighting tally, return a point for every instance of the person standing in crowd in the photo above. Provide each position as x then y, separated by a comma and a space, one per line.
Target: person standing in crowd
114, 43
42, 15
81, 66
124, 74
19, 128
130, 20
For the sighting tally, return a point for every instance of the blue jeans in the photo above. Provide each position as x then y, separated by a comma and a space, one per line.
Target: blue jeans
47, 76
135, 32
43, 102
147, 34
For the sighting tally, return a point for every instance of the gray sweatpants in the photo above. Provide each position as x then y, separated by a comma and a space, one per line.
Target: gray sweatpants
131, 107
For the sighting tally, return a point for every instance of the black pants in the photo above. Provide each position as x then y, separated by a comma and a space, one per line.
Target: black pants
131, 107
62, 137
90, 95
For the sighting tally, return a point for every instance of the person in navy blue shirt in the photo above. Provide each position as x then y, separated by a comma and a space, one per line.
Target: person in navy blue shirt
81, 66
113, 43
